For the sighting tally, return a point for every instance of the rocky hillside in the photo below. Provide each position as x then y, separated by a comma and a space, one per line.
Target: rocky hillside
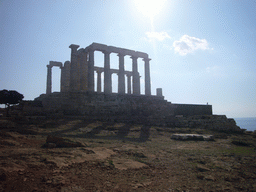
42, 154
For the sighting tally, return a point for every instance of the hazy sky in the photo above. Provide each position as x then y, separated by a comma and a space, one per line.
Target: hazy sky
201, 51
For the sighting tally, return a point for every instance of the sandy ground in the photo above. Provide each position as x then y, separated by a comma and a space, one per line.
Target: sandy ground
122, 157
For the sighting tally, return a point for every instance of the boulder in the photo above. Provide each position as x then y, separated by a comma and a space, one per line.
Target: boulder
53, 141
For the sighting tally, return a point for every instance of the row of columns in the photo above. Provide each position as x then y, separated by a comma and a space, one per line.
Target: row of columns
81, 77
64, 75
121, 78
65, 79
121, 89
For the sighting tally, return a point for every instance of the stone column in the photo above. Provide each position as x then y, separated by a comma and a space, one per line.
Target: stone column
107, 73
121, 83
159, 92
62, 79
135, 76
65, 74
74, 69
49, 79
147, 77
99, 81
83, 71
129, 88
91, 71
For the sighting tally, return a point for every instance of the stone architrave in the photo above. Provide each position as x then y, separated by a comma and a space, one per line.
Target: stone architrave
147, 77
107, 73
74, 69
135, 76
91, 71
121, 82
49, 79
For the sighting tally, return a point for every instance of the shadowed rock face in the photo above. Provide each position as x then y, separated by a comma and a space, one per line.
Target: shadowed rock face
53, 141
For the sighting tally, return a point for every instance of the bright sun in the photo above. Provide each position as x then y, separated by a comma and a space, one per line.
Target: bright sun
149, 8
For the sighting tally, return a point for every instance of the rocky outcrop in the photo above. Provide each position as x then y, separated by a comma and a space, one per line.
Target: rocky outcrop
212, 122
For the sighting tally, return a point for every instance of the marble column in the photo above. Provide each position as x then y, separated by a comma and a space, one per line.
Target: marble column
147, 77
65, 72
83, 71
74, 69
121, 82
91, 71
129, 87
62, 79
99, 81
107, 73
49, 79
135, 76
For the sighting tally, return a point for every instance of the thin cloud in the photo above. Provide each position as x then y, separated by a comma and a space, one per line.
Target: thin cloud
160, 36
188, 44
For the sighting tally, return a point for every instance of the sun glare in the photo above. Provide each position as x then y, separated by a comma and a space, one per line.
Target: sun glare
150, 8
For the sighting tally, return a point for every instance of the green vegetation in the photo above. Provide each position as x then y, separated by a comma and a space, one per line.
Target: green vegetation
10, 98
244, 151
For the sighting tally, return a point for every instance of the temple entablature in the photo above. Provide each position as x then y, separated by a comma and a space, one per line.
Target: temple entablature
112, 49
55, 64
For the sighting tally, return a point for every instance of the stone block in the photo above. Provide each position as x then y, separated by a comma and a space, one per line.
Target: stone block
53, 141
194, 137
141, 54
99, 47
114, 49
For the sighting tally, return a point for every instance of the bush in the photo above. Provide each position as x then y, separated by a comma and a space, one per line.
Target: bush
10, 98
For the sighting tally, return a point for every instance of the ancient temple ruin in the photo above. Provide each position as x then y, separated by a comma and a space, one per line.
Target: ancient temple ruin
78, 74
78, 97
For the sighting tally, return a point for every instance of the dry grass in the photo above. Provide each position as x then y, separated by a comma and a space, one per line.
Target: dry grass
122, 157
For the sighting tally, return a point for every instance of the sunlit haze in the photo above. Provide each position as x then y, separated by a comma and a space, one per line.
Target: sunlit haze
149, 8
201, 51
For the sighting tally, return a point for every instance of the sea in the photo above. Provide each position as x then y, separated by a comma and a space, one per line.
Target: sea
248, 123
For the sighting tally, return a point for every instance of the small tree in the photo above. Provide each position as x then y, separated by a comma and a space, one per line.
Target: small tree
10, 98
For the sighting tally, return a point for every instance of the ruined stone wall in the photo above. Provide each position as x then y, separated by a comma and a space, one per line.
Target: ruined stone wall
189, 109
100, 104
116, 107
147, 110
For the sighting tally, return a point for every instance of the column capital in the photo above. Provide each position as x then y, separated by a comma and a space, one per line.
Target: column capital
49, 66
146, 59
120, 54
134, 57
99, 70
128, 74
73, 46
106, 52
